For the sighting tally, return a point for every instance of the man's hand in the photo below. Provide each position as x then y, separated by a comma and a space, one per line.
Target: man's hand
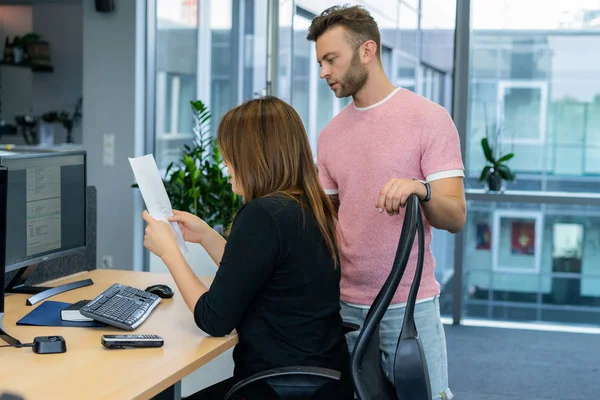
395, 193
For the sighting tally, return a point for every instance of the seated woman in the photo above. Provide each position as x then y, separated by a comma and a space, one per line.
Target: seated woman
278, 278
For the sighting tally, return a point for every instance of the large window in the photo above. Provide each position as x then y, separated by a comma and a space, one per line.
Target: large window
532, 262
535, 84
214, 51
176, 77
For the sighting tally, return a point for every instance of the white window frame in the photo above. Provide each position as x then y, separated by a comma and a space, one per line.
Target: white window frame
509, 84
537, 256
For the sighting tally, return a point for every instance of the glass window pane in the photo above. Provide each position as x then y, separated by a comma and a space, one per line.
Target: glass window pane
287, 14
438, 20
536, 79
406, 73
301, 75
223, 88
532, 262
411, 3
325, 99
408, 21
176, 77
524, 112
386, 60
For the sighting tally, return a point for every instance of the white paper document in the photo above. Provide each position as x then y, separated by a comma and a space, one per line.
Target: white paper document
153, 192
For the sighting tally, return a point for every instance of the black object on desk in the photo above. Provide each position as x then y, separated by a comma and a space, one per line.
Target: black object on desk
17, 285
131, 341
49, 345
10, 396
121, 306
162, 291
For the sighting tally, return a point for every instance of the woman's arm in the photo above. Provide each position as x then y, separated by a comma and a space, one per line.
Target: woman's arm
214, 244
247, 262
186, 280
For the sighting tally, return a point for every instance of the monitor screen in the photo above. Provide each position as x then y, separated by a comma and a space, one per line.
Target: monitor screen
45, 207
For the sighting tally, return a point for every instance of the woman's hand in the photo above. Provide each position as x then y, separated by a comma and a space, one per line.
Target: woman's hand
194, 229
160, 238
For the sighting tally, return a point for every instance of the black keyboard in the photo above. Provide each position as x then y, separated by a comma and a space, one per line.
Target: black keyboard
121, 306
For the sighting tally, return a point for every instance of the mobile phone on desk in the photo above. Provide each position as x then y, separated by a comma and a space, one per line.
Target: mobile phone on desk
131, 341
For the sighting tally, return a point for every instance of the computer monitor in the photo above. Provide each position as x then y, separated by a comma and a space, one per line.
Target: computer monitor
3, 335
45, 215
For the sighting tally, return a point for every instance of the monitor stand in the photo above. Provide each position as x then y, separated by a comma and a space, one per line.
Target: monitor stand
5, 336
17, 285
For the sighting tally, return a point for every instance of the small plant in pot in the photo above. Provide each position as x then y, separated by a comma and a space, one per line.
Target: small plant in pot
496, 169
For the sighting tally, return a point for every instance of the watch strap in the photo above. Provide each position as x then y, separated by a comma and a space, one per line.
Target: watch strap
428, 188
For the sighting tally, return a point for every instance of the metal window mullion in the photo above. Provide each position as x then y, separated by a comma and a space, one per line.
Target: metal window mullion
204, 65
272, 46
459, 114
150, 123
237, 50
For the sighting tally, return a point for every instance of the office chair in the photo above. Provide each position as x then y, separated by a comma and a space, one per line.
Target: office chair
410, 379
294, 383
369, 379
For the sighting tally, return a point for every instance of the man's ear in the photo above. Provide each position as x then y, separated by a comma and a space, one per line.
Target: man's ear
368, 51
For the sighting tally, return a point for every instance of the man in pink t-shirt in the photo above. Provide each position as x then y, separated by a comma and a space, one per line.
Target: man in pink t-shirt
386, 145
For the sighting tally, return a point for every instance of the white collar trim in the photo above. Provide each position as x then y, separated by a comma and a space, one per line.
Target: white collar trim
389, 96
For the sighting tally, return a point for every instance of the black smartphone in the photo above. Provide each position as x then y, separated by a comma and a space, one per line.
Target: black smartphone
131, 341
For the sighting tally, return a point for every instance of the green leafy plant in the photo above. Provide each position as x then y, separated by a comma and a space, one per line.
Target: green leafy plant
197, 183
496, 169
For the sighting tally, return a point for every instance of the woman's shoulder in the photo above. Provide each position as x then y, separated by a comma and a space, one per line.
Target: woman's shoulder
278, 206
272, 205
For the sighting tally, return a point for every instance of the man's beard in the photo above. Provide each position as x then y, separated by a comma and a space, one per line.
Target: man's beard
354, 79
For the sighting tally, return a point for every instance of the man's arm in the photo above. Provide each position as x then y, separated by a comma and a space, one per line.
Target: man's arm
447, 208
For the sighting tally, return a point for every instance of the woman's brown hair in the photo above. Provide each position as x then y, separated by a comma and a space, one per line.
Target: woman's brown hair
265, 143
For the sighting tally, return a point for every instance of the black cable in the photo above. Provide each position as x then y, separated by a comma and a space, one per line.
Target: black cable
18, 345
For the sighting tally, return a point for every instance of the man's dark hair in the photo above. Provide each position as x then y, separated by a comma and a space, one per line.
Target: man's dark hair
360, 25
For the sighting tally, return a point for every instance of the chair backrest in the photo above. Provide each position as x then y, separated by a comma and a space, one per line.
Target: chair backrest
411, 378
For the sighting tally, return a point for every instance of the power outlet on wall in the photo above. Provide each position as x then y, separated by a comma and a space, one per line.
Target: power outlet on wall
107, 262
108, 155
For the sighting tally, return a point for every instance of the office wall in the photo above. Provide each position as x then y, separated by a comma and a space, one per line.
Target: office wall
61, 25
23, 91
109, 106
14, 20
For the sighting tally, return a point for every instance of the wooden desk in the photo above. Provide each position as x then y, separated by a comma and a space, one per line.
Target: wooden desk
89, 371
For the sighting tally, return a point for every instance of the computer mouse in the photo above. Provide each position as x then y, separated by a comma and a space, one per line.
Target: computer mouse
162, 291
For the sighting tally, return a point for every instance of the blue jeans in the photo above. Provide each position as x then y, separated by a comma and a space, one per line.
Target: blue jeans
431, 331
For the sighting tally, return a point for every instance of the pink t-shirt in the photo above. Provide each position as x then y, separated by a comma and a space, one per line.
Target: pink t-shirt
403, 136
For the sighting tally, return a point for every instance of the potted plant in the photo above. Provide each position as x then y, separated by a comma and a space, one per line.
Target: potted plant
495, 170
198, 183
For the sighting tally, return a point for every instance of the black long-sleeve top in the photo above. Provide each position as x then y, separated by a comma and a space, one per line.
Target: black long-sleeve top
277, 286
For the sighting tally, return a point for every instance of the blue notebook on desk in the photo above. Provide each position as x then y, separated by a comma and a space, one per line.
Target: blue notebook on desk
48, 314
